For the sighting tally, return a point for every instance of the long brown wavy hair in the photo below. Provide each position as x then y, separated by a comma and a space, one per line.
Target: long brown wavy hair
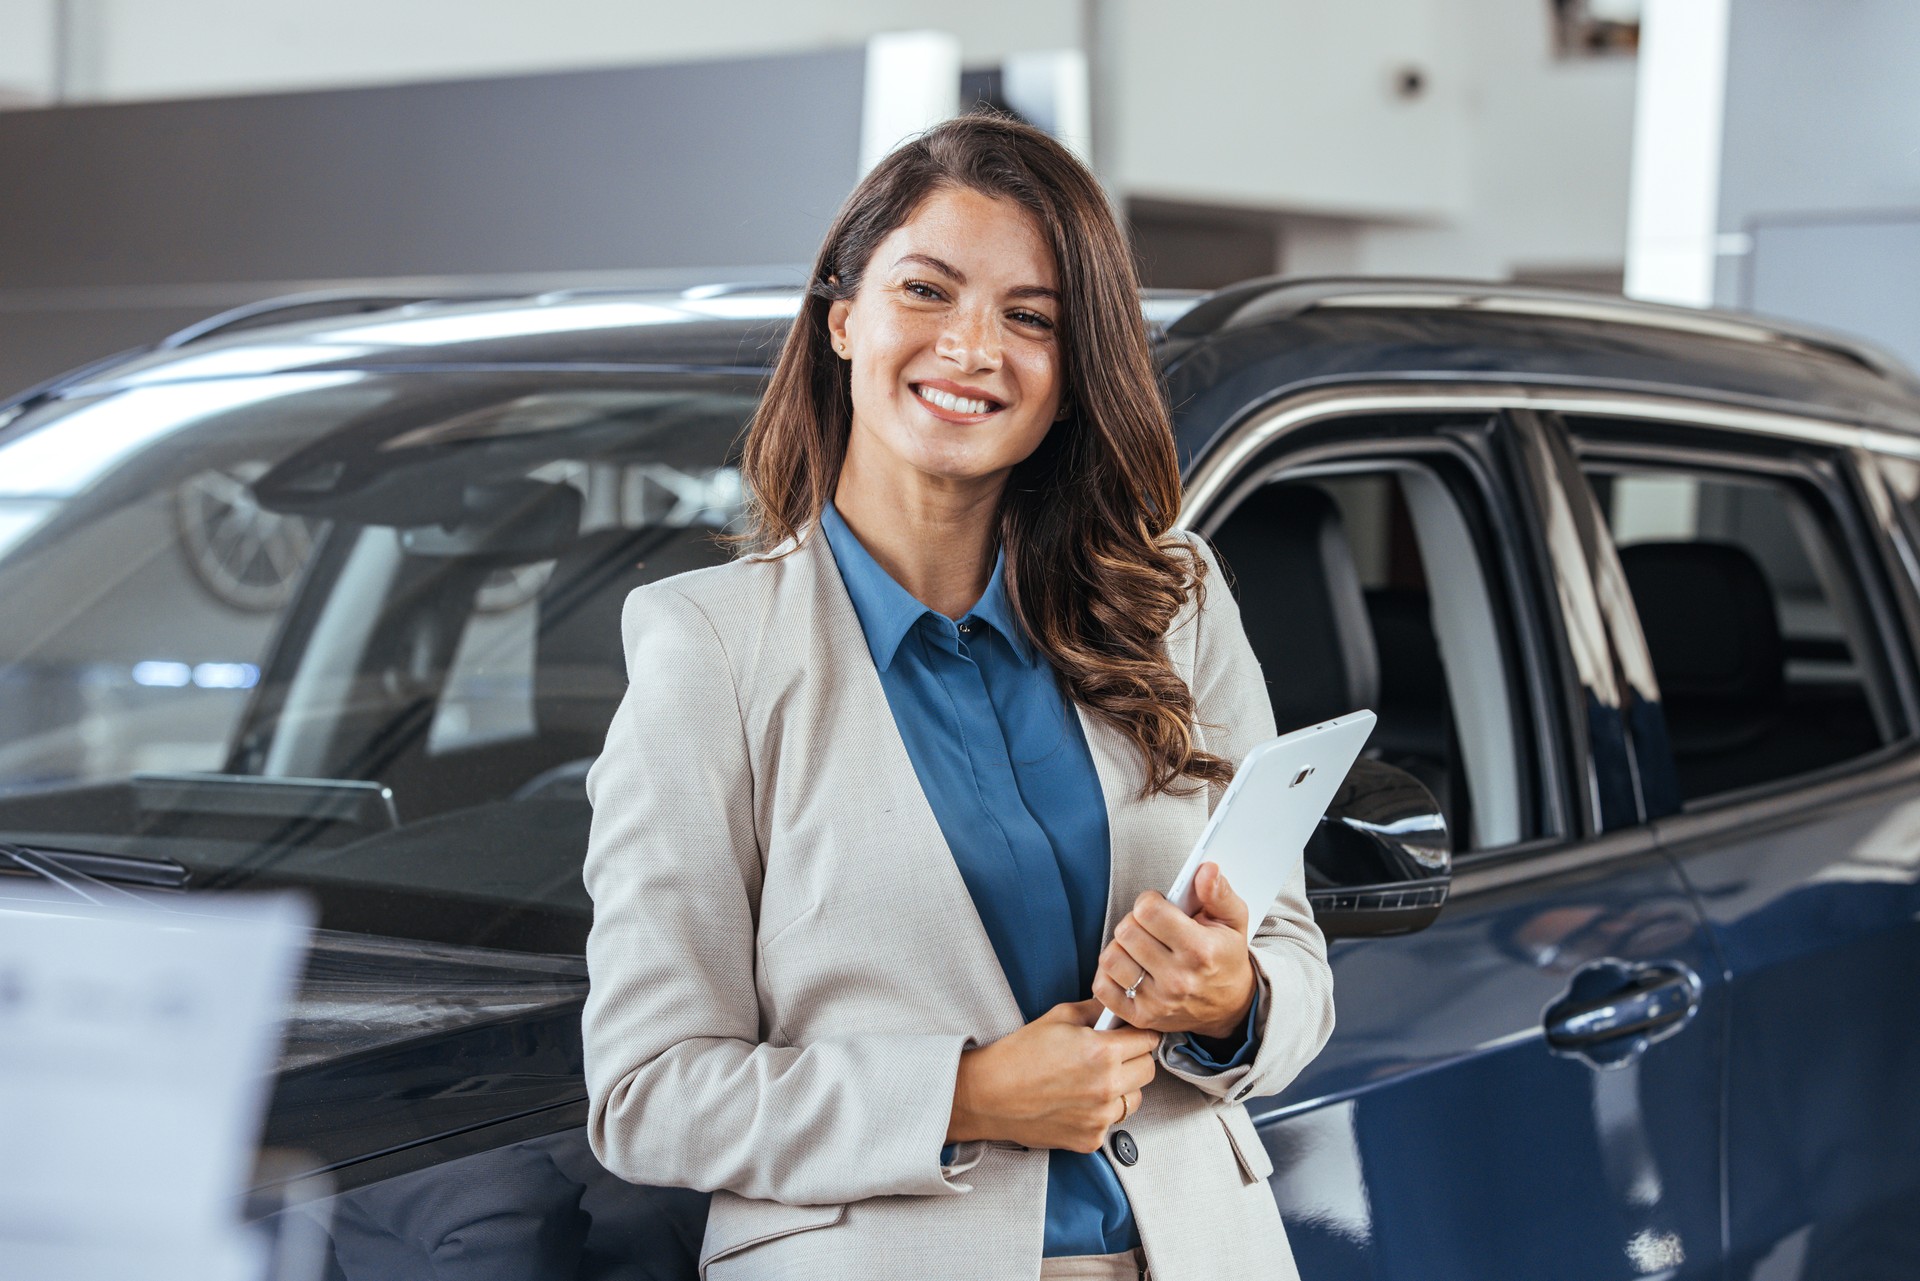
1090, 570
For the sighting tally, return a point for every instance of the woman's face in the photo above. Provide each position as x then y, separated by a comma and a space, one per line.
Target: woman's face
954, 342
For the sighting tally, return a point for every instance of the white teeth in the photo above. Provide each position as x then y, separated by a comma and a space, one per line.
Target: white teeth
951, 403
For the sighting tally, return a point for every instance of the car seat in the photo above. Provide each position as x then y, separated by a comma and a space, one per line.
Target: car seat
1713, 630
1301, 603
1416, 729
1327, 646
579, 675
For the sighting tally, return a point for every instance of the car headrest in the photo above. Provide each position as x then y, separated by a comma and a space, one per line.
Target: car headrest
1710, 622
1414, 712
1301, 603
580, 668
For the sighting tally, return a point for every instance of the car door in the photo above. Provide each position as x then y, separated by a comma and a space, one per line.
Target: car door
1778, 637
1529, 1087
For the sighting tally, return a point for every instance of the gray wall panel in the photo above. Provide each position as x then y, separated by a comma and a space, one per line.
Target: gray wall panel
721, 162
660, 170
1819, 165
1857, 275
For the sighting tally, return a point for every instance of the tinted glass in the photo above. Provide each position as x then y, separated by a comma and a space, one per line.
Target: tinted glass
1369, 587
350, 632
1760, 646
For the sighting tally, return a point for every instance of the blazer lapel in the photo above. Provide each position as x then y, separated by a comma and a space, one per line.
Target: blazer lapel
972, 980
1150, 838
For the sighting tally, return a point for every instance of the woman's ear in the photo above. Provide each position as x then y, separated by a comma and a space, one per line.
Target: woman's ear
837, 313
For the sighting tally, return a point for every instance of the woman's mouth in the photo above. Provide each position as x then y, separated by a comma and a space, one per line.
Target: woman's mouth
955, 408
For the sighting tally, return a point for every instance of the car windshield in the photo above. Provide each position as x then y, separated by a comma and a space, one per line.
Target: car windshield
352, 632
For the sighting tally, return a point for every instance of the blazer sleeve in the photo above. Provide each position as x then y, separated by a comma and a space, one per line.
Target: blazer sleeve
682, 1090
1289, 952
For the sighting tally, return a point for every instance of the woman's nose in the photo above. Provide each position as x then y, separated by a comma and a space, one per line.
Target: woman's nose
970, 339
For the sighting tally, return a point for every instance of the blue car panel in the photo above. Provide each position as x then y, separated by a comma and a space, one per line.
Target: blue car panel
1815, 915
1440, 1135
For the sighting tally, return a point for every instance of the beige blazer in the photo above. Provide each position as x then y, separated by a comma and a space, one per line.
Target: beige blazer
786, 963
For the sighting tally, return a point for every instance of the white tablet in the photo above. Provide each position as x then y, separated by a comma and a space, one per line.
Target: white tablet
1259, 830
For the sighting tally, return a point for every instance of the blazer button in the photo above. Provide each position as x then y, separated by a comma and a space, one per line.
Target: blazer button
1125, 1148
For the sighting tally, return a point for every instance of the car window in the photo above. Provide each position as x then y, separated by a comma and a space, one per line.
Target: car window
1367, 585
358, 633
1760, 642
505, 659
146, 581
1902, 476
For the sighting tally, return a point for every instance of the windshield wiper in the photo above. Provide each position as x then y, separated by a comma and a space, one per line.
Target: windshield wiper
90, 875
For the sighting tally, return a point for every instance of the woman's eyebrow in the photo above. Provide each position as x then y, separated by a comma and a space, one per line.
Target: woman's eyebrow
959, 277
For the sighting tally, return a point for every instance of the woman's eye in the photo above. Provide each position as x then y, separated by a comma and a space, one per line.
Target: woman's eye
921, 289
1032, 318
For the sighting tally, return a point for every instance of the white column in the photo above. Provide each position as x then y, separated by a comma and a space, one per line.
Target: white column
1674, 202
913, 83
1051, 89
29, 46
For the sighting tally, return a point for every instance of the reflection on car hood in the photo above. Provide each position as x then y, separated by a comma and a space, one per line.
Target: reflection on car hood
362, 993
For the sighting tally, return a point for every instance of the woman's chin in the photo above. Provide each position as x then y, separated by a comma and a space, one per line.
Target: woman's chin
952, 462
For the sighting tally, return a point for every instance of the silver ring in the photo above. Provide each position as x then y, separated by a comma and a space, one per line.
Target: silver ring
1136, 986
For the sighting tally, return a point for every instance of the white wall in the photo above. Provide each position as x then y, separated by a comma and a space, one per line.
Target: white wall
182, 48
1548, 152
1509, 159
1291, 106
26, 51
1512, 159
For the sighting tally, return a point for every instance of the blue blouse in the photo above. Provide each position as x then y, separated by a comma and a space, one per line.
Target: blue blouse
999, 752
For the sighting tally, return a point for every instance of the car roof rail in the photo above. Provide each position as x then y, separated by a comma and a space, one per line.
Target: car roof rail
309, 306
569, 293
19, 402
1275, 298
727, 288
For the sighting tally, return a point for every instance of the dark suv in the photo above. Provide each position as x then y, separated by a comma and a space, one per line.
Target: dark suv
326, 595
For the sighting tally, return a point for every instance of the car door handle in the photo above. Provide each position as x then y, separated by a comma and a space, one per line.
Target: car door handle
1614, 1009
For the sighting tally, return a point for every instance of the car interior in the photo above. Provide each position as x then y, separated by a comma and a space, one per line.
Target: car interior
434, 673
576, 678
1755, 632
1331, 569
482, 690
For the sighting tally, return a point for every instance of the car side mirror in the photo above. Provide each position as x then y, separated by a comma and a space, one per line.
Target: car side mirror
1380, 861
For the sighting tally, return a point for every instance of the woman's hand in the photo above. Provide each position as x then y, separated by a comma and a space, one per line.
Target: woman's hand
1056, 1083
1188, 973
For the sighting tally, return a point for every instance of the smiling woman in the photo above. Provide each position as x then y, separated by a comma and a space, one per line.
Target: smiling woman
923, 443
984, 264
919, 766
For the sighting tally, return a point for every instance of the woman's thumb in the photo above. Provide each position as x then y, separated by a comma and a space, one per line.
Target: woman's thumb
1081, 1012
1218, 898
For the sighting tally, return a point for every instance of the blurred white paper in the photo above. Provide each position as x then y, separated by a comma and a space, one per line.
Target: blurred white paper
136, 1052
228, 1255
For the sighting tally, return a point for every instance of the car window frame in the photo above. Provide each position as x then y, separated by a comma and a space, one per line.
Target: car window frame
1822, 468
1527, 662
1897, 524
1809, 486
1266, 424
